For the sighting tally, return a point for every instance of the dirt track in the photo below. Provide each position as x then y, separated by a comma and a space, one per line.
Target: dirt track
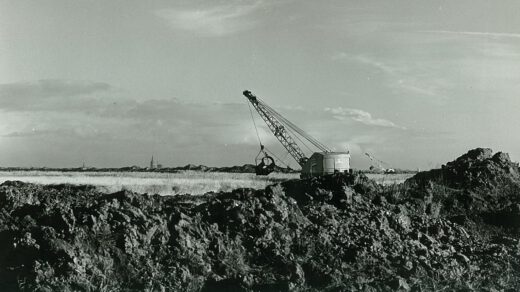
455, 228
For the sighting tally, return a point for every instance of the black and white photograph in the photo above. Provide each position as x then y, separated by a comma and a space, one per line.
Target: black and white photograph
259, 145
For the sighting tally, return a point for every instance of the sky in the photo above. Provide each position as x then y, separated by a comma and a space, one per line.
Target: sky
111, 83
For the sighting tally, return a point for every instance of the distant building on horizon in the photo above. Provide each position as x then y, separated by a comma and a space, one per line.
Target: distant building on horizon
154, 164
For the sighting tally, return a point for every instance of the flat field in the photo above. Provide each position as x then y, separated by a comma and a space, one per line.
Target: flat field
389, 178
187, 182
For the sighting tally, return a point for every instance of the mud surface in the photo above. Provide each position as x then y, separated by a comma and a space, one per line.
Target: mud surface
455, 228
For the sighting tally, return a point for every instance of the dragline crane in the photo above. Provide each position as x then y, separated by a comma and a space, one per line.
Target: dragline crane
324, 162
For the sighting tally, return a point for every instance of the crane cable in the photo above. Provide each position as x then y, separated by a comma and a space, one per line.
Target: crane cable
301, 133
254, 123
280, 118
285, 159
260, 141
290, 130
274, 155
296, 128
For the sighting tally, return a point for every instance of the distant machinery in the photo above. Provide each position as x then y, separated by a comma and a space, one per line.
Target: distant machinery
378, 164
324, 162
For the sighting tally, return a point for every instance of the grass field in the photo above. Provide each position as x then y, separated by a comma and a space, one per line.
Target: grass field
188, 182
389, 178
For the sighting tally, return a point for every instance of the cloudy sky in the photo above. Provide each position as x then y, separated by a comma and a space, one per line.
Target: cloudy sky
109, 83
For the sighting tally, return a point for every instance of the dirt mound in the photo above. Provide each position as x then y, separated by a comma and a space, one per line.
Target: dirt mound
478, 169
478, 185
336, 233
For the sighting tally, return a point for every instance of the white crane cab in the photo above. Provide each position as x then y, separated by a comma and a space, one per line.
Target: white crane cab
321, 163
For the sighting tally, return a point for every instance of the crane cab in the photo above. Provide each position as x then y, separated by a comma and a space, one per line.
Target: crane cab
321, 163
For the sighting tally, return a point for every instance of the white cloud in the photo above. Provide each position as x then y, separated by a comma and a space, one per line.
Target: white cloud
508, 51
476, 33
51, 94
213, 21
361, 116
67, 109
421, 90
46, 88
384, 67
401, 75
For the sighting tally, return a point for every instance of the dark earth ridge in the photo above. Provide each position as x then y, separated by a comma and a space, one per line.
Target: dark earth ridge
246, 168
454, 228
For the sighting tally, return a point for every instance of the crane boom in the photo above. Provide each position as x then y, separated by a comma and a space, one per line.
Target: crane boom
278, 129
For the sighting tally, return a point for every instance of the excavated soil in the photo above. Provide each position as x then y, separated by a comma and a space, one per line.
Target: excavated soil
454, 228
